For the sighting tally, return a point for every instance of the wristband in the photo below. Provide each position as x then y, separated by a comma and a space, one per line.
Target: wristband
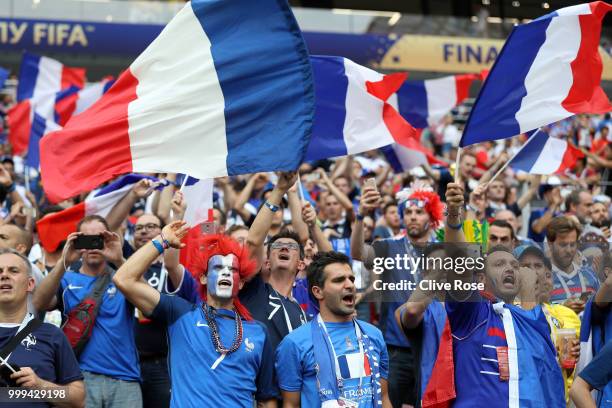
165, 243
455, 227
271, 207
158, 246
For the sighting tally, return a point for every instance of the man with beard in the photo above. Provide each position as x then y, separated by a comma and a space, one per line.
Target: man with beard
111, 373
393, 223
334, 360
574, 281
600, 218
219, 356
504, 355
422, 213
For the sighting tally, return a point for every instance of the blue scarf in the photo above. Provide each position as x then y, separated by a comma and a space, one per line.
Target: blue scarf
329, 385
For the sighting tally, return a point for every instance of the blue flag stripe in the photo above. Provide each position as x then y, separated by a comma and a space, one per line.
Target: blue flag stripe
493, 114
282, 87
331, 86
39, 125
413, 104
28, 72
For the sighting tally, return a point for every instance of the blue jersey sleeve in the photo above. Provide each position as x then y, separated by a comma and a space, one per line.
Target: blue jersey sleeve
289, 366
384, 358
599, 371
266, 388
188, 289
67, 367
170, 309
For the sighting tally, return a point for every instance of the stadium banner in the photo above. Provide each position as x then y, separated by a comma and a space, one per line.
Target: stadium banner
409, 52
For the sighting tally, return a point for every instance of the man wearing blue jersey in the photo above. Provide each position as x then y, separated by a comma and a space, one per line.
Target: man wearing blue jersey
334, 360
219, 356
504, 356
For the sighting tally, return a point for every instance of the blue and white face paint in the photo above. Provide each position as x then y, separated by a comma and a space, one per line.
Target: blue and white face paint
223, 276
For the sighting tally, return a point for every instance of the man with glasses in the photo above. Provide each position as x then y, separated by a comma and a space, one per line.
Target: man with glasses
272, 302
574, 281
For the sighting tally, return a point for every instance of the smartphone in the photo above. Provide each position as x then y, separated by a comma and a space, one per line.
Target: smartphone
371, 182
312, 177
89, 242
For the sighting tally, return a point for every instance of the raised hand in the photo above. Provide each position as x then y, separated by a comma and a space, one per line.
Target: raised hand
369, 201
143, 188
112, 247
454, 196
309, 215
179, 205
286, 179
5, 177
174, 233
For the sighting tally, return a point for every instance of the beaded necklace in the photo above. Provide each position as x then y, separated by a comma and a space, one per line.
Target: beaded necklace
214, 331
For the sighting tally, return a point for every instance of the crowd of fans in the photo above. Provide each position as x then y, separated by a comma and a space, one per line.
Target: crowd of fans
249, 309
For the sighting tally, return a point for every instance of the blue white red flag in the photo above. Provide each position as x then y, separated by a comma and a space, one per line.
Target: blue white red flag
43, 76
72, 101
225, 89
548, 70
402, 158
54, 228
542, 154
352, 112
423, 103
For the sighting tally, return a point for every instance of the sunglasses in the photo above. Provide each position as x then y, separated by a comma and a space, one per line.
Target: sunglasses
285, 245
415, 203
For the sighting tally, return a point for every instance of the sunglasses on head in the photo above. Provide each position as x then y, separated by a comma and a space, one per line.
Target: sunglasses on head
415, 203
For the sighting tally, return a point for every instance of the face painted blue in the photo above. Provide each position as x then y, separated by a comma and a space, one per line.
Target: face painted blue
223, 277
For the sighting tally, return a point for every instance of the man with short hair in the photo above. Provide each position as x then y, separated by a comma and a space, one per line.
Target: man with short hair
307, 359
219, 356
600, 218
272, 302
44, 358
392, 225
579, 203
540, 218
501, 233
574, 281
112, 373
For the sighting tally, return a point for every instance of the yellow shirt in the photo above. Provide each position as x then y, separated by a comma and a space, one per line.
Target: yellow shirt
562, 317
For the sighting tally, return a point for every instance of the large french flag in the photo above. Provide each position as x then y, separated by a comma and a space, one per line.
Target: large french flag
545, 155
225, 89
423, 103
198, 195
548, 70
352, 114
43, 76
72, 102
55, 228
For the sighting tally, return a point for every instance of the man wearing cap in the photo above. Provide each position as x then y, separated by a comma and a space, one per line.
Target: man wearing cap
422, 213
558, 316
540, 218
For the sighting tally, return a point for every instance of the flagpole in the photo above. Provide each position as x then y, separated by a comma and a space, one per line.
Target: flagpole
300, 189
500, 171
457, 160
184, 183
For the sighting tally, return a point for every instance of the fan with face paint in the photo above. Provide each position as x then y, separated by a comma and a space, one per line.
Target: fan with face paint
223, 279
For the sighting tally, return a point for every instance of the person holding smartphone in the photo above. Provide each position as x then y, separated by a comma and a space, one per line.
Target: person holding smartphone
109, 360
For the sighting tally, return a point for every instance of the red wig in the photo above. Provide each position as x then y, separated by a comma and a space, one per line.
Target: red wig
207, 246
433, 205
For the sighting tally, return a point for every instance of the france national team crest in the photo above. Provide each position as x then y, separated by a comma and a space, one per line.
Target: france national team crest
28, 341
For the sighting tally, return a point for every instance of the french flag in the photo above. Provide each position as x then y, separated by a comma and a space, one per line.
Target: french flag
352, 114
402, 158
55, 228
43, 76
73, 101
548, 70
545, 155
423, 103
19, 120
225, 89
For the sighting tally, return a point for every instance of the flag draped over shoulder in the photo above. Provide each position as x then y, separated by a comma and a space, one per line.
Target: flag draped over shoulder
225, 89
